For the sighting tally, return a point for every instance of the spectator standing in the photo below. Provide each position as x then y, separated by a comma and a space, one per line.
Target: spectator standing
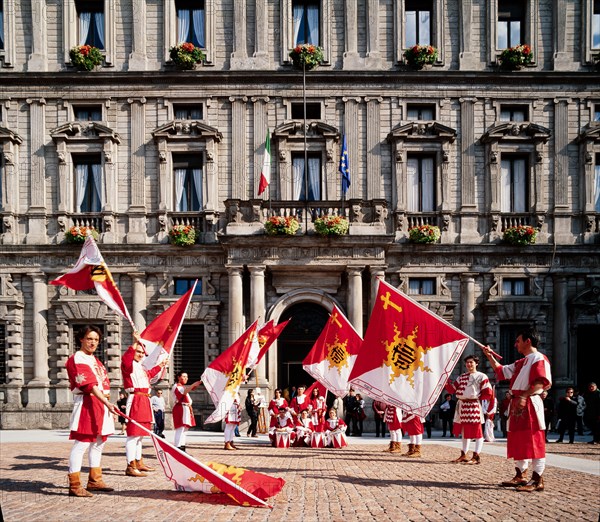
592, 412
158, 408
504, 410
252, 411
548, 412
580, 410
122, 406
378, 415
447, 409
567, 415
350, 407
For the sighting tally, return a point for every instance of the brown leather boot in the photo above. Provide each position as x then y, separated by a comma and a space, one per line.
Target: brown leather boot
389, 448
475, 459
95, 482
75, 487
229, 447
397, 448
142, 467
416, 451
233, 445
132, 470
411, 450
462, 458
520, 479
535, 484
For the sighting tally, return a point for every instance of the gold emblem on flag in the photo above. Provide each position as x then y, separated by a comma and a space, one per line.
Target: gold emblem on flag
234, 378
101, 273
262, 340
337, 354
405, 356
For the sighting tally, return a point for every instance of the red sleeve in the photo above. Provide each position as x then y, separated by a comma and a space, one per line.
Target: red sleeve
487, 394
539, 373
80, 376
178, 395
500, 373
450, 387
154, 371
127, 361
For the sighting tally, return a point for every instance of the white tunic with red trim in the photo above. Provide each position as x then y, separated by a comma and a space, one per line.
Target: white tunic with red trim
276, 404
412, 424
234, 415
90, 417
182, 408
317, 408
526, 429
393, 417
136, 381
470, 389
304, 429
282, 423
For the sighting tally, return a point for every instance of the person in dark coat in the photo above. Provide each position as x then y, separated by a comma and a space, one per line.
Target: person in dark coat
447, 413
567, 416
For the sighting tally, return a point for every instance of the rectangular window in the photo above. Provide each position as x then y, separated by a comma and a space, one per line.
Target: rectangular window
191, 22
421, 286
187, 173
415, 112
513, 113
597, 112
597, 184
313, 111
311, 177
514, 193
596, 25
306, 21
100, 352
87, 112
511, 22
183, 285
188, 353
3, 368
420, 184
508, 336
183, 111
91, 23
514, 286
1, 25
418, 22
88, 183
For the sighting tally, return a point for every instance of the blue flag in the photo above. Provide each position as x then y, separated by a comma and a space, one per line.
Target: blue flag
344, 167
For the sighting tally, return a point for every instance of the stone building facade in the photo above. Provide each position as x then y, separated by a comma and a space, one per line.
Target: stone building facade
137, 146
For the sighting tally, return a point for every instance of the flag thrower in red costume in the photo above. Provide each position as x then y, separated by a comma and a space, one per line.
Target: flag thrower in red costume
90, 272
333, 355
225, 374
408, 353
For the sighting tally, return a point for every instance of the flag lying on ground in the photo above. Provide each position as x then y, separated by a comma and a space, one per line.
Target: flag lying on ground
408, 353
333, 355
160, 335
267, 335
344, 167
224, 375
265, 174
90, 272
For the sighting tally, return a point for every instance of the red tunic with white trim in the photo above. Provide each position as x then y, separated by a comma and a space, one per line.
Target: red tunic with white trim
317, 408
412, 424
526, 429
470, 389
90, 417
136, 381
393, 417
277, 404
334, 424
183, 415
299, 403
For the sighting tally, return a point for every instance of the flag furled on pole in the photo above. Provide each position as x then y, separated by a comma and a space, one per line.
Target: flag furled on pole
160, 335
408, 353
267, 335
344, 167
333, 355
223, 377
265, 174
89, 273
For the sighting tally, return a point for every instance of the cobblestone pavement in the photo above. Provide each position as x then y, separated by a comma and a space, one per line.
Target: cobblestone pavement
359, 483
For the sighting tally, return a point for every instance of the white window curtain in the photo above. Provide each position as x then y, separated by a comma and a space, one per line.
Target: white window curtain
427, 185
197, 176
81, 180
597, 189
198, 18
314, 179
596, 31
99, 19
183, 22
179, 181
505, 186
85, 20
412, 185
414, 287
519, 189
411, 28
97, 192
424, 24
312, 17
519, 287
297, 12
298, 175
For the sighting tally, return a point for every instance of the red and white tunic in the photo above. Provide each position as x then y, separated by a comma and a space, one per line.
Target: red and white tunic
333, 427
393, 417
136, 381
277, 404
281, 423
304, 430
526, 429
234, 415
183, 415
470, 389
317, 408
90, 417
412, 424
299, 403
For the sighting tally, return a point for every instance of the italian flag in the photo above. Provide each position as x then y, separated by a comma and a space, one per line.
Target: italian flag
265, 174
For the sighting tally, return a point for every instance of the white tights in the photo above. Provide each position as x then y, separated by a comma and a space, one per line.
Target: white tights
478, 445
133, 448
538, 465
229, 431
416, 439
180, 435
395, 435
78, 450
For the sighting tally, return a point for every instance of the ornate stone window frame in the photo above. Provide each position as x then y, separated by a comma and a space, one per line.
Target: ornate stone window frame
9, 174
70, 29
531, 30
589, 56
170, 29
287, 30
498, 105
589, 148
535, 285
288, 138
8, 54
525, 138
437, 30
170, 106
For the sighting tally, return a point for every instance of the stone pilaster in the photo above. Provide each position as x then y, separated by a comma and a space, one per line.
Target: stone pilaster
36, 228
236, 308
257, 309
560, 349
377, 273
138, 59
355, 297
351, 126
239, 160
39, 385
261, 125
139, 300
468, 216
38, 59
467, 58
137, 207
467, 308
562, 219
374, 174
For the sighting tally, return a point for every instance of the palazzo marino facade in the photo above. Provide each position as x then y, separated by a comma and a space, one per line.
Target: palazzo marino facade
137, 146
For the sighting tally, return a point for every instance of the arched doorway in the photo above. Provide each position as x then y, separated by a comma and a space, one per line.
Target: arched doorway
294, 343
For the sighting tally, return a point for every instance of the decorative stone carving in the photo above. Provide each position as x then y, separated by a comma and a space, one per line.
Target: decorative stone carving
162, 157
357, 215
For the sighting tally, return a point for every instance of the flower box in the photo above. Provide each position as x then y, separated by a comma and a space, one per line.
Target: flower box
185, 56
85, 57
418, 56
331, 226
279, 225
516, 57
77, 234
306, 56
182, 235
521, 235
424, 234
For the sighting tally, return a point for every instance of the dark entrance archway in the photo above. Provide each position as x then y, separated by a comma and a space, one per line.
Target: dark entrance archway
588, 356
294, 343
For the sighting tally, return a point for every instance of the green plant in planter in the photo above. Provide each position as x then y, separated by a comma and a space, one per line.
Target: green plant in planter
516, 57
182, 235
418, 56
307, 56
186, 55
424, 234
520, 235
77, 234
85, 57
331, 225
279, 225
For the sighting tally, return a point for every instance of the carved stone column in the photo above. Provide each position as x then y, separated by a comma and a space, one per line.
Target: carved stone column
38, 59
351, 109
137, 208
468, 214
562, 218
377, 272
236, 310
560, 349
355, 297
467, 58
374, 179
38, 386
257, 309
139, 300
239, 161
37, 160
467, 308
138, 60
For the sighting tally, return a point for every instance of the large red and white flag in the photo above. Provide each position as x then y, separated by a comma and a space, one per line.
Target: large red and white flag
408, 353
223, 377
267, 334
334, 353
89, 273
160, 335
